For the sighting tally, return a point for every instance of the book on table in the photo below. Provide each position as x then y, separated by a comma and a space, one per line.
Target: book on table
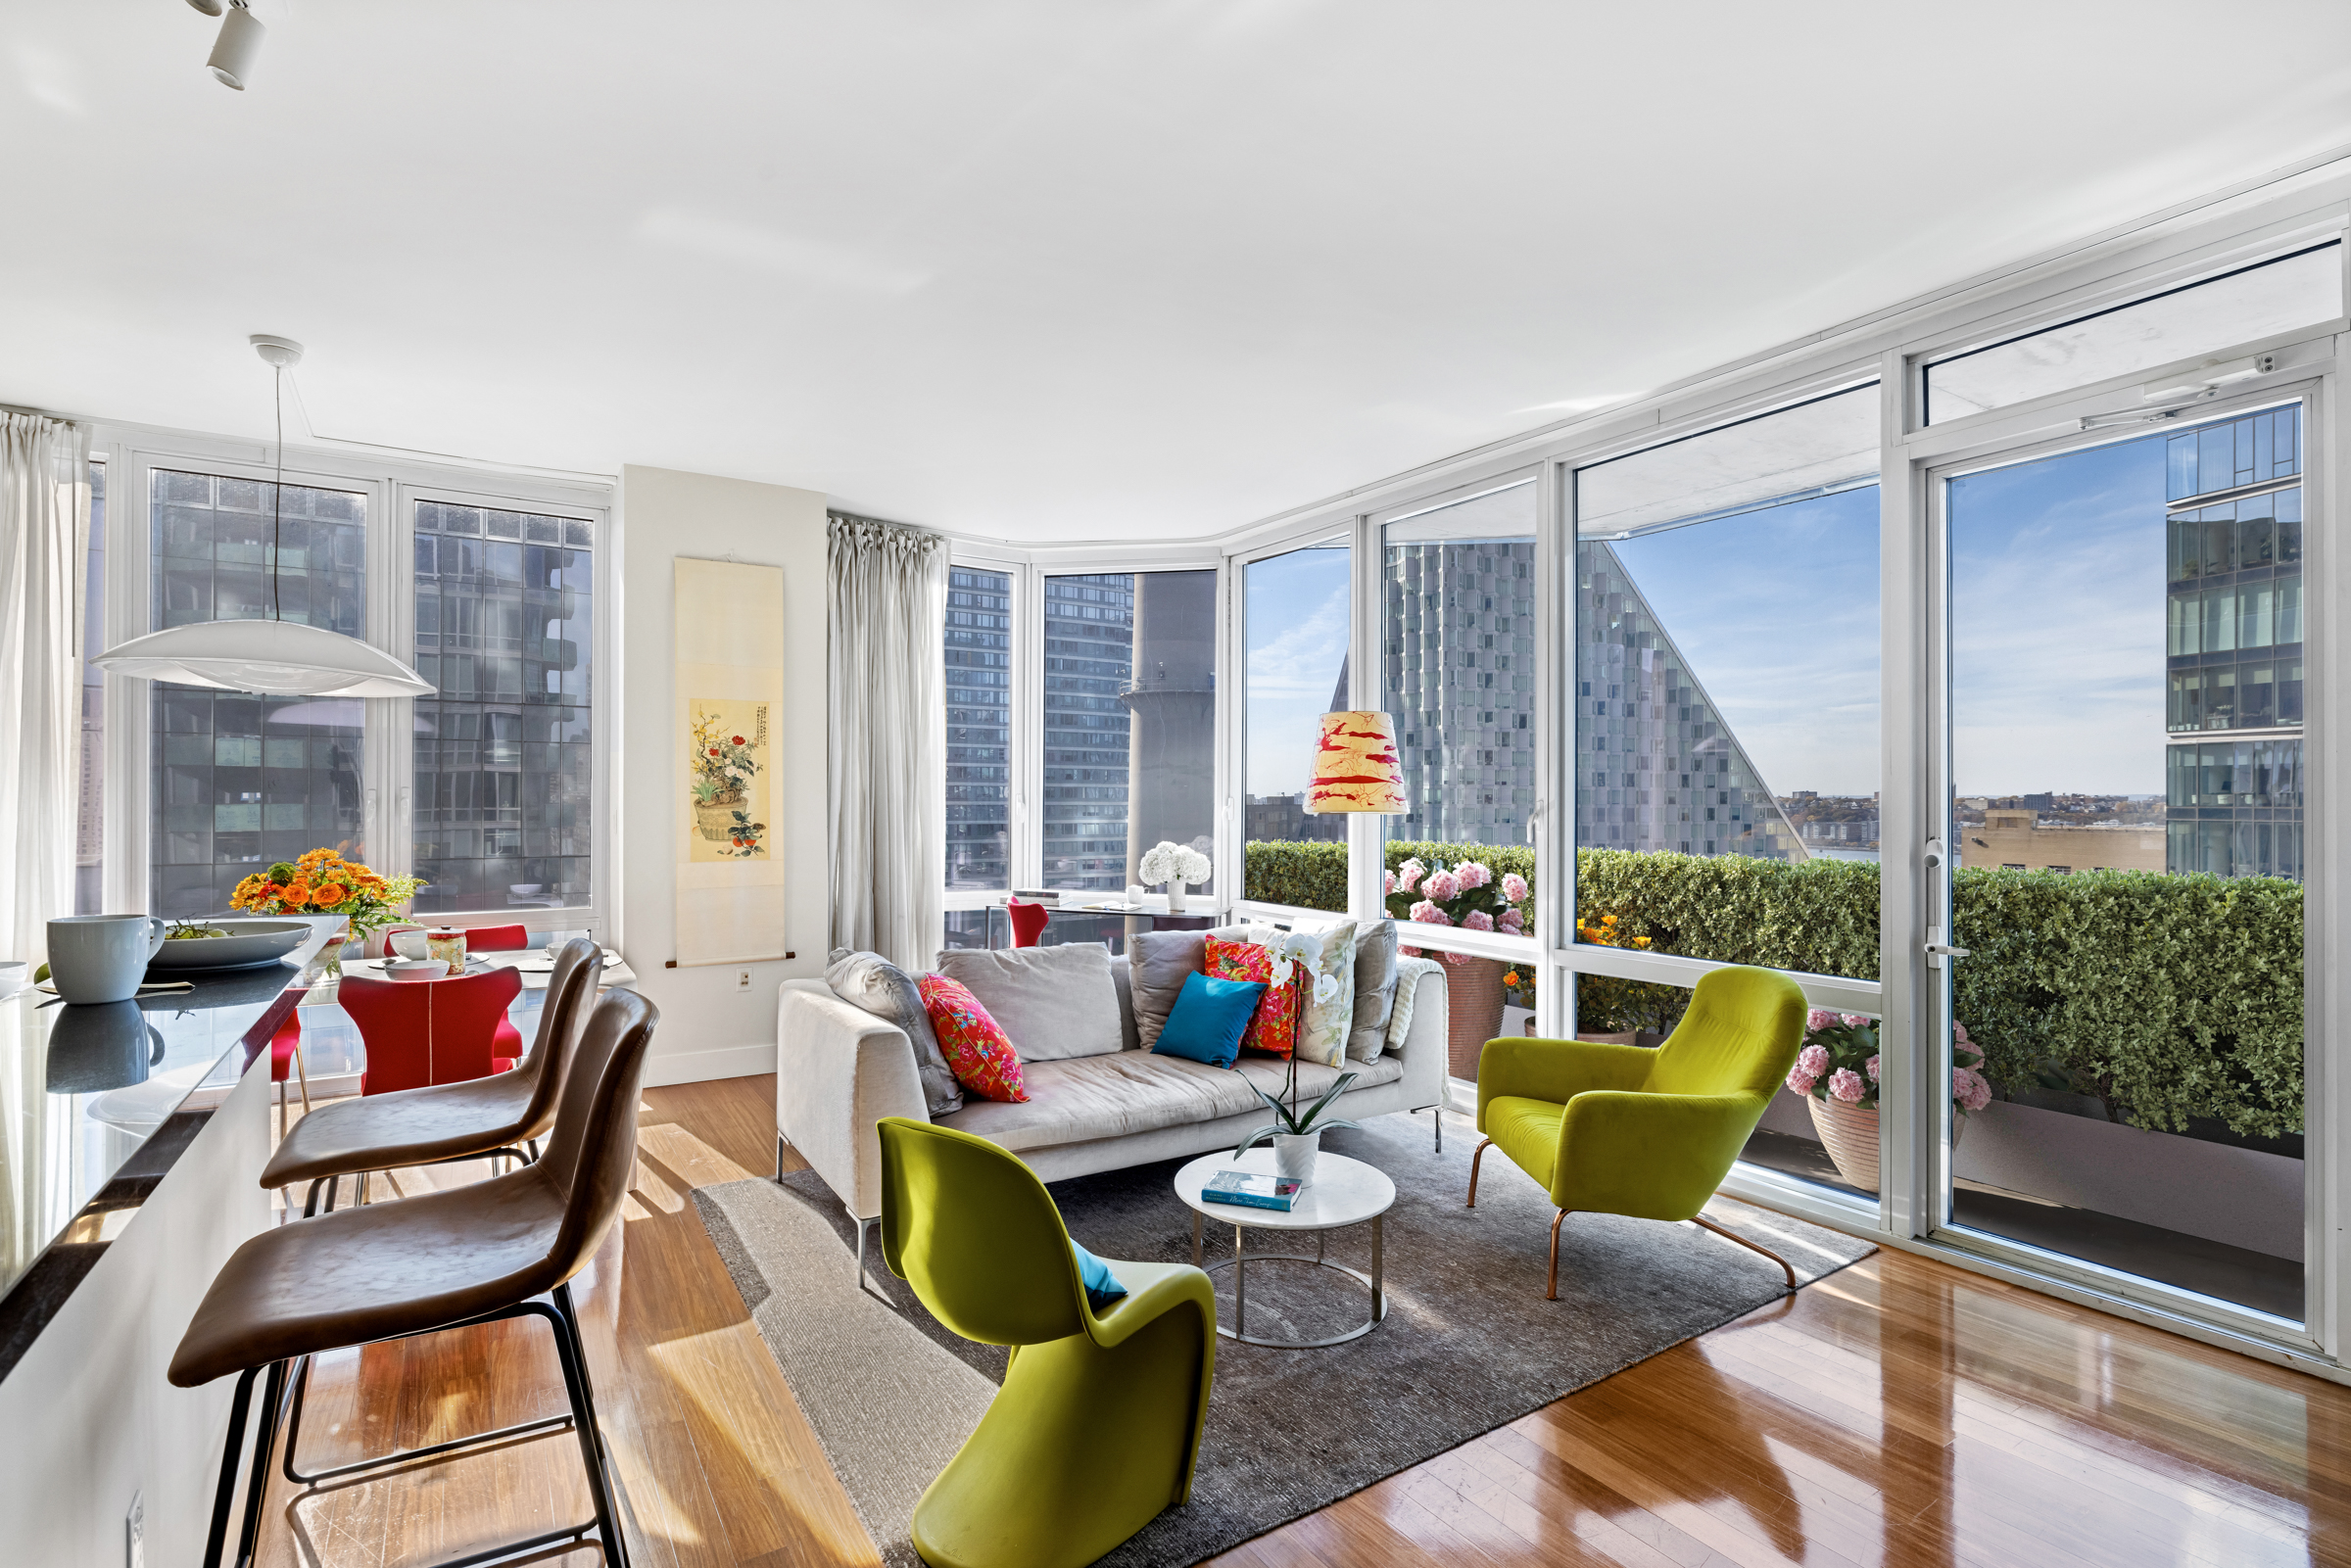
1249, 1190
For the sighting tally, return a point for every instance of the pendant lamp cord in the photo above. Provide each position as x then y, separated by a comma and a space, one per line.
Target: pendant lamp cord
277, 491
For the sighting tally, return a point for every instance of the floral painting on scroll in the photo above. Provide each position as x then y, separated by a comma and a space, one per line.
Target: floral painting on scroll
729, 774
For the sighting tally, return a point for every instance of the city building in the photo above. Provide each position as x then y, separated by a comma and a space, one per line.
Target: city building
978, 703
1657, 767
1457, 646
2022, 839
2234, 771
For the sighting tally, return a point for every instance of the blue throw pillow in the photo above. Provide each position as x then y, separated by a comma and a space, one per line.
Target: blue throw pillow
1102, 1286
1208, 1019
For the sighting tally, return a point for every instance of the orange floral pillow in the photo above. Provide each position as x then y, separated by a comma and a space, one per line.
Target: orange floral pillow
1274, 1028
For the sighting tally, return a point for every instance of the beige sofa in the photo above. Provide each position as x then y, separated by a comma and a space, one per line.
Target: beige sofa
839, 1069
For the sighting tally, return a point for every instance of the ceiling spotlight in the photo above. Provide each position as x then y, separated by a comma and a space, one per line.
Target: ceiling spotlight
238, 46
211, 8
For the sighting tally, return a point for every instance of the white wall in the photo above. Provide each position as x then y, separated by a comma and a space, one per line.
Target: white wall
710, 1029
89, 1417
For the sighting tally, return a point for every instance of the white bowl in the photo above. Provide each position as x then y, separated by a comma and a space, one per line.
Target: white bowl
416, 968
526, 889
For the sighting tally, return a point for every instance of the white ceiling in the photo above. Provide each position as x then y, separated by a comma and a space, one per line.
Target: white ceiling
1074, 270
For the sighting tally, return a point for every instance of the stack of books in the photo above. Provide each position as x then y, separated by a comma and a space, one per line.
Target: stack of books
1251, 1191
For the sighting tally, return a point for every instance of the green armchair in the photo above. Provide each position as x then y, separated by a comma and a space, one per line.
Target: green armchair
1620, 1129
1097, 1426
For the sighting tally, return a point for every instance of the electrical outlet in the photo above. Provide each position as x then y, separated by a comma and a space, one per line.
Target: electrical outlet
134, 1531
743, 979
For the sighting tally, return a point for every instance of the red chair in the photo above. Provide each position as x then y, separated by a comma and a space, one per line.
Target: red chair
496, 939
1028, 921
433, 1031
285, 1052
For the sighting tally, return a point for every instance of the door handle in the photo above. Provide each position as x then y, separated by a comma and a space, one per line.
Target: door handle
1938, 952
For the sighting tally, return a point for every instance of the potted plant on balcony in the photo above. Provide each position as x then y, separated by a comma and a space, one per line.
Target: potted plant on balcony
1470, 896
1837, 1072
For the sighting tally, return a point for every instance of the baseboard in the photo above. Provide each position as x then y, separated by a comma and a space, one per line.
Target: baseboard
699, 1067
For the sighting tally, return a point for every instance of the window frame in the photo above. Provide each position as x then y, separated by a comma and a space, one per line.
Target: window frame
133, 453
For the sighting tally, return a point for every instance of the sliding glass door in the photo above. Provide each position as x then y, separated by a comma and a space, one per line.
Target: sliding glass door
2118, 1005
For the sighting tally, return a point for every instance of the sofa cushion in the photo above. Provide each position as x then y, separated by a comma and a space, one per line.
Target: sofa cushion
1274, 1028
1085, 1097
1329, 1014
872, 982
1160, 961
1409, 973
1374, 990
1208, 1019
1121, 981
1053, 1002
984, 1060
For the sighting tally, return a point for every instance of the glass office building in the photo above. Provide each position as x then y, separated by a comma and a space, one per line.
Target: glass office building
1458, 645
2233, 641
978, 703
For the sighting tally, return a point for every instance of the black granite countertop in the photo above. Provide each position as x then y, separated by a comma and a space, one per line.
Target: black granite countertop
97, 1104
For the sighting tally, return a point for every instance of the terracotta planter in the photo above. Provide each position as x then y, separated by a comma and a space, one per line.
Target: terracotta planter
1473, 1010
1851, 1136
716, 821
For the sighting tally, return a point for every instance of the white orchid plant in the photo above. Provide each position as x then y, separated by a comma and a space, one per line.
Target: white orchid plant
1170, 861
1295, 949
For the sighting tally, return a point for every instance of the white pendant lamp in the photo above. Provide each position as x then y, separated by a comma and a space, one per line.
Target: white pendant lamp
271, 655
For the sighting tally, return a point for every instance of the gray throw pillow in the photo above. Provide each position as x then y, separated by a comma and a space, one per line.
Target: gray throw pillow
872, 982
1053, 1003
1160, 961
1121, 976
1374, 990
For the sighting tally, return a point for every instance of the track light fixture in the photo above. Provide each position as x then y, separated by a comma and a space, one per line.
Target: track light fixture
239, 44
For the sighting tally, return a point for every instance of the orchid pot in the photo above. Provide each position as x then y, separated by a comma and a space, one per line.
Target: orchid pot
1294, 1154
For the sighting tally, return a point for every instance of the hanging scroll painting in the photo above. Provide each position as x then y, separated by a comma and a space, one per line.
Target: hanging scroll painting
729, 627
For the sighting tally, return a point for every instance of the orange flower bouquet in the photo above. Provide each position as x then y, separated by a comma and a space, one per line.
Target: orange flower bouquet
323, 882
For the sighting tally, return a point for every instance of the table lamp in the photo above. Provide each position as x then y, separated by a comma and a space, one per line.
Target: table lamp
1356, 766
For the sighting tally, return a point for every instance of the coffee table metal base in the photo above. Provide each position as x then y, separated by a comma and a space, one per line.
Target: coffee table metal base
1240, 1258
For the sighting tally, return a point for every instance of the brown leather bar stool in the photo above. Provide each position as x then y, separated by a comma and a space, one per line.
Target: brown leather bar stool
496, 1116
470, 1255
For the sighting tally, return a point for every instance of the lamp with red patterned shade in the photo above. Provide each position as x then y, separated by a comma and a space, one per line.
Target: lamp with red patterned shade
1356, 766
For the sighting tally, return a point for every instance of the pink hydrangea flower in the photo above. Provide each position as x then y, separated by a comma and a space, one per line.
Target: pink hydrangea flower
1442, 887
1409, 875
1800, 1083
1471, 875
1970, 1089
1514, 887
1477, 920
1854, 1020
1427, 914
1846, 1085
1820, 1018
1511, 921
1812, 1061
1387, 884
1959, 1032
1870, 1066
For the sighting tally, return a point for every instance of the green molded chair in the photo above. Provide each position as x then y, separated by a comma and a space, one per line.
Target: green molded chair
1098, 1423
1623, 1129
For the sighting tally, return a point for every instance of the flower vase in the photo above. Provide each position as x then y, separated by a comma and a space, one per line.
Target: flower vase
1177, 900
1851, 1136
1294, 1154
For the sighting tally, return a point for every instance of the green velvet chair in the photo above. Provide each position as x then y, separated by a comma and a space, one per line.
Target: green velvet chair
1623, 1129
1098, 1423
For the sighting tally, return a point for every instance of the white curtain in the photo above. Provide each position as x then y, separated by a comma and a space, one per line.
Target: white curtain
887, 752
44, 544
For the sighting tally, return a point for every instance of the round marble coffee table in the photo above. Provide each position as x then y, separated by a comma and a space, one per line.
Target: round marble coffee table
1343, 1191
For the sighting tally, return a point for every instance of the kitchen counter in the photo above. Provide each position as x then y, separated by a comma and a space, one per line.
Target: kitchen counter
96, 1106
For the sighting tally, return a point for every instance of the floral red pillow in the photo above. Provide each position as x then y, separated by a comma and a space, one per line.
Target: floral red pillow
1274, 1028
978, 1051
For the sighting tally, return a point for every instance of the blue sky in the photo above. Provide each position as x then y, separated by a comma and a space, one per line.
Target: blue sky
1297, 626
2057, 606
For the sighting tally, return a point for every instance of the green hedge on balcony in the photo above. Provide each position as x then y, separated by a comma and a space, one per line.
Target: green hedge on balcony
2170, 996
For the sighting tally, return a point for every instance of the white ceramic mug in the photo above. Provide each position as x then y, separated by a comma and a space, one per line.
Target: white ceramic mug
408, 943
101, 958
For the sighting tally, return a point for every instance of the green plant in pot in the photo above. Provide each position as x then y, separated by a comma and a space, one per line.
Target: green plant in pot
1297, 1134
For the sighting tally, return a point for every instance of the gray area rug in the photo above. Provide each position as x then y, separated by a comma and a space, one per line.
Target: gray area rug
1470, 1344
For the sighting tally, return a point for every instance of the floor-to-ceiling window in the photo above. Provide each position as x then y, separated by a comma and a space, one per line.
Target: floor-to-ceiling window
237, 779
1296, 622
1726, 761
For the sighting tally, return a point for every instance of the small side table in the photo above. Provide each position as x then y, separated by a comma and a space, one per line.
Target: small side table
1343, 1191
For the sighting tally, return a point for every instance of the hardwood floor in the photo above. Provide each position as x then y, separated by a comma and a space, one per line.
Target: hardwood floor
1898, 1412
